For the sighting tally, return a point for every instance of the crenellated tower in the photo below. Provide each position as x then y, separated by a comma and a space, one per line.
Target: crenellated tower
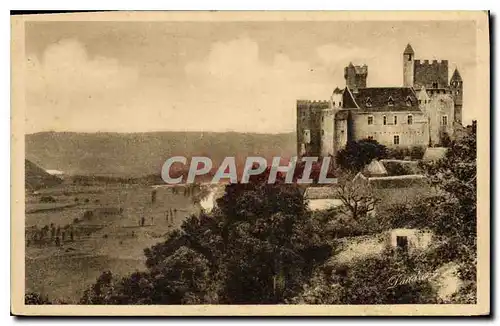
355, 76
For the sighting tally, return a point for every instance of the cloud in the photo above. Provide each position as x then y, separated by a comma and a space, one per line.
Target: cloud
67, 88
246, 93
66, 67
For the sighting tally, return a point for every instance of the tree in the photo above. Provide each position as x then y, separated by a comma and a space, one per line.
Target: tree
357, 154
259, 246
356, 196
455, 213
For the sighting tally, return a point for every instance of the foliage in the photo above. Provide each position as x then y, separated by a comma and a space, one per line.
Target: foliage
372, 281
357, 154
259, 246
452, 213
320, 290
34, 298
414, 152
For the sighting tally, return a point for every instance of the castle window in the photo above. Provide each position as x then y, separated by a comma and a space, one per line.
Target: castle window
444, 120
370, 119
322, 118
410, 119
322, 132
385, 120
370, 137
395, 119
409, 57
396, 140
434, 85
333, 103
340, 104
390, 102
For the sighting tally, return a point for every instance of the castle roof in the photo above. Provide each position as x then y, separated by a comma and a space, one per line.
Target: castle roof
373, 99
409, 50
338, 91
456, 75
391, 168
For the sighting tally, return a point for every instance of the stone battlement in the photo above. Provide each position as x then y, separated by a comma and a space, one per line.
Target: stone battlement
313, 104
431, 62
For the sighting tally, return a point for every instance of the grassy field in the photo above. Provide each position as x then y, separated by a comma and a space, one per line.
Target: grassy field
115, 241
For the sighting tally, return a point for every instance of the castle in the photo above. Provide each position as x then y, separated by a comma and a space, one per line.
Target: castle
423, 112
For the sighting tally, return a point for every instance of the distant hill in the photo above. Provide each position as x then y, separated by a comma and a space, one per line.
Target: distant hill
38, 178
142, 154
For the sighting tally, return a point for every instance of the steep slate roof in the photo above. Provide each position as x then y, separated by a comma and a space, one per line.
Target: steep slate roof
338, 91
379, 99
456, 75
409, 50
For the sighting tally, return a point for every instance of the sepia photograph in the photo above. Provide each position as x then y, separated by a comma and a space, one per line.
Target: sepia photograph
250, 163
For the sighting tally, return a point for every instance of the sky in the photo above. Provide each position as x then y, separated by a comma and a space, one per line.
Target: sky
218, 76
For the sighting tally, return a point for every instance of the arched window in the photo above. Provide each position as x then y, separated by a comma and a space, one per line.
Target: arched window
395, 119
396, 140
385, 120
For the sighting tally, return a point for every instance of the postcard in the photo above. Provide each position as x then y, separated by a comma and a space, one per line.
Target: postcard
250, 163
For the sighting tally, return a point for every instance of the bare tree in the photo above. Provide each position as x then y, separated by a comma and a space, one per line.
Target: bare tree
357, 197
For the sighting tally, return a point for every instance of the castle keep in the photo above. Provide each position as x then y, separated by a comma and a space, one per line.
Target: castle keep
423, 112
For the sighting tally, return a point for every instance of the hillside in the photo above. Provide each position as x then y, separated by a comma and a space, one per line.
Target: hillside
140, 154
37, 178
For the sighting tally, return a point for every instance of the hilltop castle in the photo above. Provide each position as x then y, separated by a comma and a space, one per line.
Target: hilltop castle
420, 113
